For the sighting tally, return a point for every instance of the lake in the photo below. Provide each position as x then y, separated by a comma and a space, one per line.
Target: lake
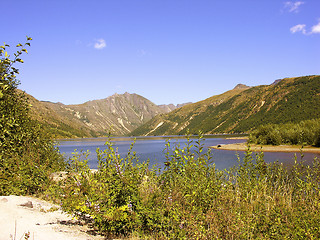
152, 148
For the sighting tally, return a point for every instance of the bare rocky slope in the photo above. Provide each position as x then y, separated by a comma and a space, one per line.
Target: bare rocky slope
118, 114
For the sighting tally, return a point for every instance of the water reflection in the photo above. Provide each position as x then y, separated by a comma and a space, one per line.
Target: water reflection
152, 148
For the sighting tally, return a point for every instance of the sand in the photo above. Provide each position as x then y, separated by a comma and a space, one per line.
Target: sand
266, 148
41, 219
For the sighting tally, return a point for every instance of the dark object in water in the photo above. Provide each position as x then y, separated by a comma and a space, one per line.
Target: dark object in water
219, 146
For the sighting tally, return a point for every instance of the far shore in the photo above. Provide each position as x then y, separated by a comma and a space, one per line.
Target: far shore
243, 138
267, 148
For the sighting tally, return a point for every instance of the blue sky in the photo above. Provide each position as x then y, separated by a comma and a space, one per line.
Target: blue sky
169, 51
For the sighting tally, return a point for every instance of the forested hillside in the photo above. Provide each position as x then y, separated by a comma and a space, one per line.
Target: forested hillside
243, 109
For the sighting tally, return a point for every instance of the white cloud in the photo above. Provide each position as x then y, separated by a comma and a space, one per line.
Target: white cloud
142, 52
293, 6
78, 42
100, 43
316, 28
302, 28
298, 28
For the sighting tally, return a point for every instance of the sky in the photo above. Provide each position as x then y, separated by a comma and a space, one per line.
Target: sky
168, 51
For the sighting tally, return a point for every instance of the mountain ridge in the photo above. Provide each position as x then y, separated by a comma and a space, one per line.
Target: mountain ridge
119, 113
242, 109
237, 110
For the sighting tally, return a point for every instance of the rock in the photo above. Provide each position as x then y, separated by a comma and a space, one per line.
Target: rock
27, 204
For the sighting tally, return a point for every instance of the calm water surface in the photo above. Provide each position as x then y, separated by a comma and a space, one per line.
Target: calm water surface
152, 148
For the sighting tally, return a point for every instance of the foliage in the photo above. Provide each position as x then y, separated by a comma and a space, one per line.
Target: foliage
303, 133
26, 156
191, 199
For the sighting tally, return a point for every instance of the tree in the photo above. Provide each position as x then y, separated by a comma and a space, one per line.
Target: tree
13, 105
27, 156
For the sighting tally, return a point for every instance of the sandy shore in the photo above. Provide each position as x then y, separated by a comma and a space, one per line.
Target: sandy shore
266, 148
21, 214
244, 138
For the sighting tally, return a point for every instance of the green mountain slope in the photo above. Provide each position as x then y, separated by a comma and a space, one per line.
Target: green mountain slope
58, 125
242, 109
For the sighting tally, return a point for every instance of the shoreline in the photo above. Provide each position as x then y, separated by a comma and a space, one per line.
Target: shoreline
266, 148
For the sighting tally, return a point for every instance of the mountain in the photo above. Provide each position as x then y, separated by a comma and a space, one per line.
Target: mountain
170, 107
242, 109
59, 125
120, 113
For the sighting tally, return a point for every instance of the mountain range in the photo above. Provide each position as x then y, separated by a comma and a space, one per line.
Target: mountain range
118, 114
240, 109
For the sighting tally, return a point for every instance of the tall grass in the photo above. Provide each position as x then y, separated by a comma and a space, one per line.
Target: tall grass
191, 199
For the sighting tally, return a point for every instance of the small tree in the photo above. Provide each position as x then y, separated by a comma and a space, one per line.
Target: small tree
26, 155
13, 105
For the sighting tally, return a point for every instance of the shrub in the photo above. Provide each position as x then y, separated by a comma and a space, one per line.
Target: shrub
304, 133
26, 156
191, 199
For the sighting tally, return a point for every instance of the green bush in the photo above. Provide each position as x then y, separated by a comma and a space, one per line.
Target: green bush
27, 157
191, 199
303, 133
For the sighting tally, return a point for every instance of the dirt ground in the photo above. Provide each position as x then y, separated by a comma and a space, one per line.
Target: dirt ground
266, 148
20, 215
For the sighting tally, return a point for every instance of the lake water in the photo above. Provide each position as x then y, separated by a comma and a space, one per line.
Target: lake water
152, 148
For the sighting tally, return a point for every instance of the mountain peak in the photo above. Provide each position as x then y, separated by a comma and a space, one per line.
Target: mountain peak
123, 94
276, 81
241, 86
